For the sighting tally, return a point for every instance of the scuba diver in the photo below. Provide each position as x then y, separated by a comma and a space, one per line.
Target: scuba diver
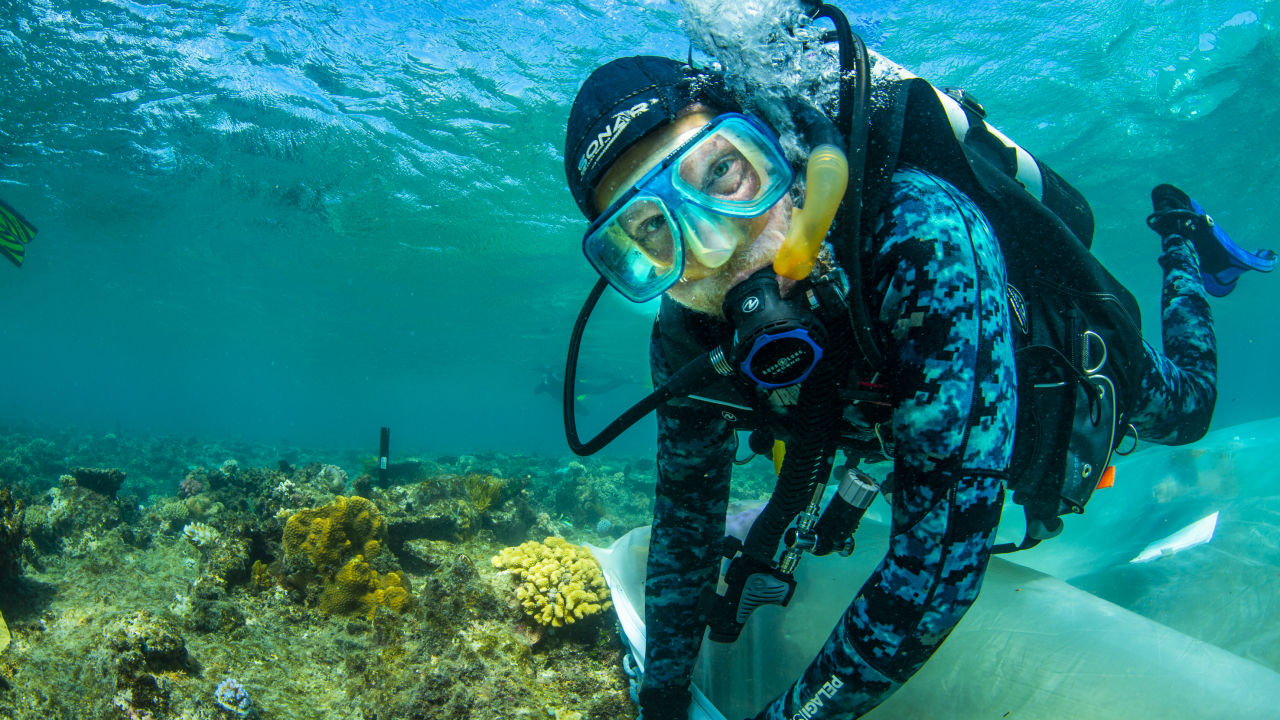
952, 302
551, 382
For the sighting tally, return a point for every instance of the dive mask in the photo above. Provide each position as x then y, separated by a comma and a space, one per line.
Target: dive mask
695, 199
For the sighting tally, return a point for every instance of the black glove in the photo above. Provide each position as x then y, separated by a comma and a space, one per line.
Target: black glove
665, 703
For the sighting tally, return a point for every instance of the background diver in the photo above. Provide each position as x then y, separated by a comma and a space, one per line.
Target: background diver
895, 341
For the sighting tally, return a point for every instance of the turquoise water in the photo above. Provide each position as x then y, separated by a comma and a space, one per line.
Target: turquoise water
298, 221
277, 223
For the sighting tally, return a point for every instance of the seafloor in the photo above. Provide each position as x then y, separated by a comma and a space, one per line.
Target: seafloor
146, 578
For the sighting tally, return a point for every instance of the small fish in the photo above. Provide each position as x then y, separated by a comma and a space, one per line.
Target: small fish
15, 233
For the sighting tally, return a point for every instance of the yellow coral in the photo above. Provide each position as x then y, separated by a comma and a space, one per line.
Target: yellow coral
333, 534
357, 587
560, 583
260, 576
338, 538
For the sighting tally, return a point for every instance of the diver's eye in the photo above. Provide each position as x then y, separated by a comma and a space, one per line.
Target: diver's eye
652, 225
646, 224
725, 176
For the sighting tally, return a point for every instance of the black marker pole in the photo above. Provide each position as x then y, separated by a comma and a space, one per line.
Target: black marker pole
384, 451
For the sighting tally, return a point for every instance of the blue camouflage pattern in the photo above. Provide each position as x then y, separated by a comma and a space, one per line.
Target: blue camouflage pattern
938, 279
1179, 389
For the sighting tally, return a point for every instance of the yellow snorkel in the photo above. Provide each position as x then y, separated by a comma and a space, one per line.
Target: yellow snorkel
826, 178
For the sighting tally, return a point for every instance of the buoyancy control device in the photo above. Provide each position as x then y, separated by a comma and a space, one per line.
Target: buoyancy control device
1077, 330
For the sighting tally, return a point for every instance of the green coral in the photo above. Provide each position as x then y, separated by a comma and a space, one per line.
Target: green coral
559, 583
337, 541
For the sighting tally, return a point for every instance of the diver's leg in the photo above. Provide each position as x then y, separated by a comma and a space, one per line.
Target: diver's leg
1179, 387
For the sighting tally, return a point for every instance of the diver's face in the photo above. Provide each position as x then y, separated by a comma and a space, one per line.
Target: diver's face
700, 288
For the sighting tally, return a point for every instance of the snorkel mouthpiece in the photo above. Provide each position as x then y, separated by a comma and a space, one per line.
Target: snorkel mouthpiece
826, 177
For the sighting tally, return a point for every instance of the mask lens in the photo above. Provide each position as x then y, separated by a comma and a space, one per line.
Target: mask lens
635, 250
645, 223
718, 169
736, 170
696, 197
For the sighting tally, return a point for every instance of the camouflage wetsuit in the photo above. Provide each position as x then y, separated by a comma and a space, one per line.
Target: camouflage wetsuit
939, 284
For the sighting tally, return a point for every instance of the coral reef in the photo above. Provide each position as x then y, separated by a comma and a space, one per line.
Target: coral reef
333, 546
70, 519
357, 587
148, 652
456, 507
232, 697
137, 606
11, 534
201, 535
559, 583
328, 536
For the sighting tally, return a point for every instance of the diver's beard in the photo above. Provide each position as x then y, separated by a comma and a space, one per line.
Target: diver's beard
706, 295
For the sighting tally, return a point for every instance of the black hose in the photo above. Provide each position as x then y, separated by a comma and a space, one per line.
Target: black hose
852, 119
691, 377
810, 449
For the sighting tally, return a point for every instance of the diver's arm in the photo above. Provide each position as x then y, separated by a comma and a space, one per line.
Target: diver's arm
695, 453
950, 362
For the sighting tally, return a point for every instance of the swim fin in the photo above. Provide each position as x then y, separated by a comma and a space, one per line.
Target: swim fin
15, 233
1221, 260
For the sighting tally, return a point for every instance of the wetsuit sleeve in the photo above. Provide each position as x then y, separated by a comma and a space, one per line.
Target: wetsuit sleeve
939, 281
695, 460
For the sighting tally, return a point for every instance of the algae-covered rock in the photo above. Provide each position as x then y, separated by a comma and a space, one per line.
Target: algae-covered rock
143, 641
106, 481
68, 515
559, 583
458, 507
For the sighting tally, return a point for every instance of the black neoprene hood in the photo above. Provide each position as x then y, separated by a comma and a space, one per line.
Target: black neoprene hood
621, 102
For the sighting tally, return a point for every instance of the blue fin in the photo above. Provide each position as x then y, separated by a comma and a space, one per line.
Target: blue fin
1222, 262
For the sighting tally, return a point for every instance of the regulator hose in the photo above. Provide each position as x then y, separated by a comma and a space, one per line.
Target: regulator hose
810, 449
694, 375
852, 120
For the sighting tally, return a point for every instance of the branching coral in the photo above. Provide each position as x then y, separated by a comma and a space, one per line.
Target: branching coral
559, 583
